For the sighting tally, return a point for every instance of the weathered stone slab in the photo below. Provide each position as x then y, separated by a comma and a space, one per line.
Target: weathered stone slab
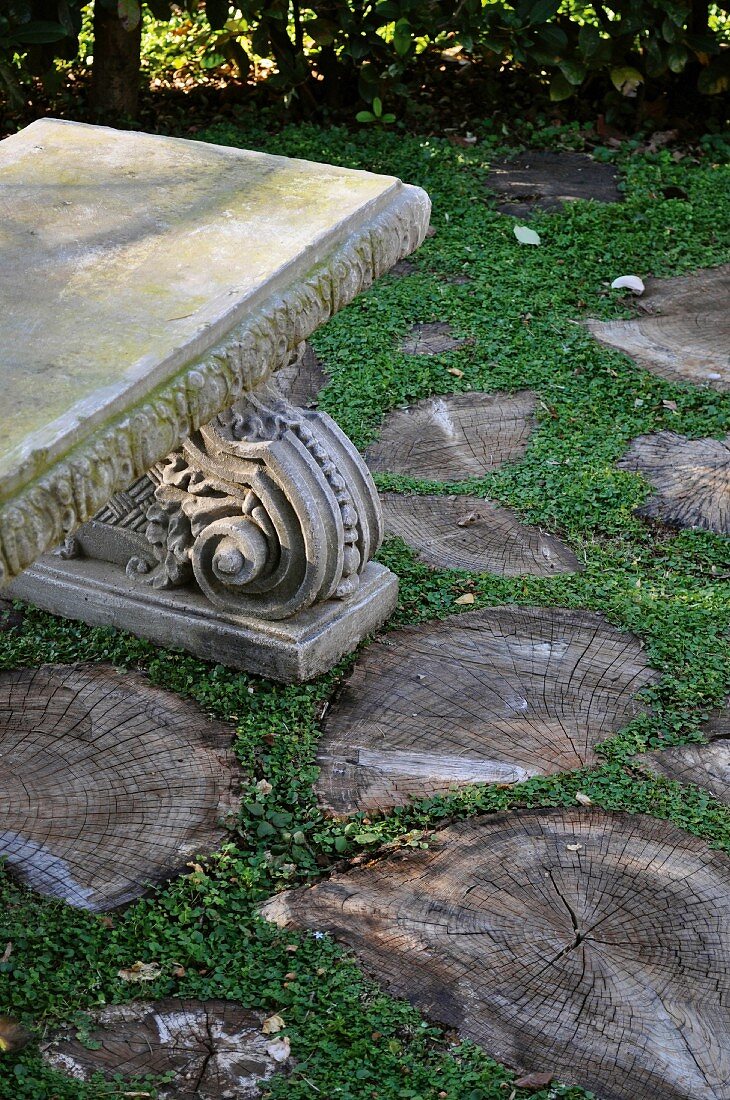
295, 649
146, 282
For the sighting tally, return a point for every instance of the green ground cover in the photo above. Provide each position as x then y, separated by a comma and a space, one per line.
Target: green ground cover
519, 310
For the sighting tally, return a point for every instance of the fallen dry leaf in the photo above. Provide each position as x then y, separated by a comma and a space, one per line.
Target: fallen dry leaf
534, 1080
469, 518
272, 1024
525, 235
468, 597
574, 847
455, 371
279, 1049
583, 799
140, 972
264, 786
671, 405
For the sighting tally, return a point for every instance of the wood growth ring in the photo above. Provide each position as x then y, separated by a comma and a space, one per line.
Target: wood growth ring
474, 534
214, 1049
108, 783
590, 944
455, 437
490, 696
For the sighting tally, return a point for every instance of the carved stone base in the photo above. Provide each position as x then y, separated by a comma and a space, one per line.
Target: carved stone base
292, 650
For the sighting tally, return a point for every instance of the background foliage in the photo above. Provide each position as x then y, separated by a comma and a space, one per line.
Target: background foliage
334, 53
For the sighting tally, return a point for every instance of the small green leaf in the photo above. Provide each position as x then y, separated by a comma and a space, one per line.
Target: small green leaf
365, 116
402, 37
573, 71
39, 33
366, 838
677, 58
626, 80
341, 844
525, 235
560, 88
377, 107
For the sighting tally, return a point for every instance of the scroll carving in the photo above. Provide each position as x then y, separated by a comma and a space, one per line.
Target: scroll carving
268, 510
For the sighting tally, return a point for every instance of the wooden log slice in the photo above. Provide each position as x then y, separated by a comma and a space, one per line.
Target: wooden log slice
455, 437
595, 945
214, 1049
433, 338
474, 534
490, 696
706, 766
548, 180
686, 336
107, 783
301, 381
691, 476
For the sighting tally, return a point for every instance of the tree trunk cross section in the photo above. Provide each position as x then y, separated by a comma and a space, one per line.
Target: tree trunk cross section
490, 696
455, 437
706, 766
108, 784
690, 478
213, 1049
591, 944
683, 333
474, 534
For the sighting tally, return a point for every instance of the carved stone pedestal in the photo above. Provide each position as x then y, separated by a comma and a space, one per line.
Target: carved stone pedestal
250, 546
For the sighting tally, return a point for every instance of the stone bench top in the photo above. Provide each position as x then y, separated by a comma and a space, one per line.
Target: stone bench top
145, 282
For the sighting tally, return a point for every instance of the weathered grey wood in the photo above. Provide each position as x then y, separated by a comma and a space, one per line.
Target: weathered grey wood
455, 437
213, 1049
691, 478
706, 766
546, 180
107, 783
490, 696
685, 335
431, 338
471, 533
590, 944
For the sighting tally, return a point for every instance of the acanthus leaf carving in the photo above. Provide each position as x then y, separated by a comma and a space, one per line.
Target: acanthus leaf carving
269, 509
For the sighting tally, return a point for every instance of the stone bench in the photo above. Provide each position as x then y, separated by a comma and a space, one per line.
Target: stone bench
150, 289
